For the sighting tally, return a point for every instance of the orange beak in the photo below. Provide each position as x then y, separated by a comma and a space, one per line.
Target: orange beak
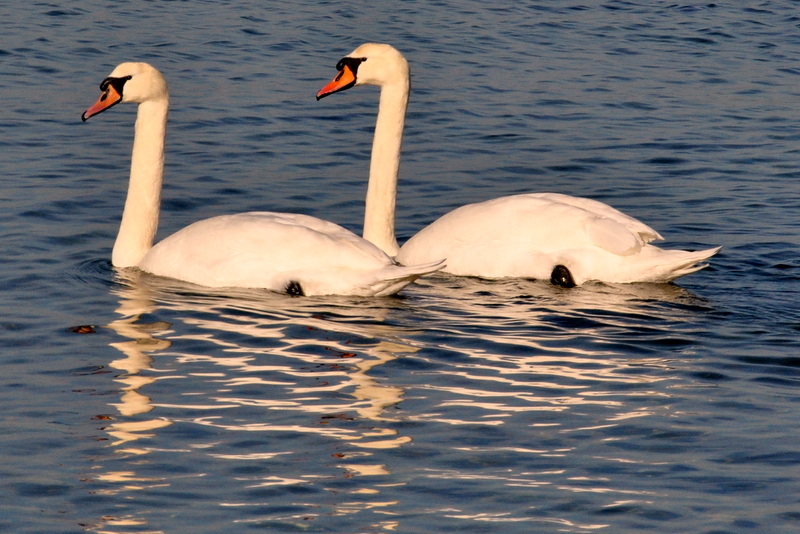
109, 97
344, 80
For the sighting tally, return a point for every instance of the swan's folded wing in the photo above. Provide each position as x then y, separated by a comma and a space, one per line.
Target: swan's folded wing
612, 236
600, 209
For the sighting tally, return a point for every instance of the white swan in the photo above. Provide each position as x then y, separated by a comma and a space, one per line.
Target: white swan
295, 254
565, 239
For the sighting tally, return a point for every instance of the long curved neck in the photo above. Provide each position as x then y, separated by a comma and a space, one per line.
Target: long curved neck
140, 218
384, 166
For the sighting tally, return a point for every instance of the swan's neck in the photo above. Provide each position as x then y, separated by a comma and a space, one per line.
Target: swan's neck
385, 163
140, 218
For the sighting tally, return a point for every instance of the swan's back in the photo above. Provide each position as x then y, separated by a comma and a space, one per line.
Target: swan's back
529, 235
280, 252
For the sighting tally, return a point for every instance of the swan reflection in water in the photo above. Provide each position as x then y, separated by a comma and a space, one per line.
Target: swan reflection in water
254, 362
242, 333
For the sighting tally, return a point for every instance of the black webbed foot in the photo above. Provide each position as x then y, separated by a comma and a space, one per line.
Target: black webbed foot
295, 289
561, 277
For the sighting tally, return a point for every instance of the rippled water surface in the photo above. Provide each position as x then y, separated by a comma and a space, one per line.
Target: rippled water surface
134, 404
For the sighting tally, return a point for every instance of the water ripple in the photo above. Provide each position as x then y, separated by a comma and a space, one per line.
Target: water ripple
140, 404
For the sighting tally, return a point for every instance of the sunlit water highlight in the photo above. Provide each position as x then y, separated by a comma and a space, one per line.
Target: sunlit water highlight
134, 404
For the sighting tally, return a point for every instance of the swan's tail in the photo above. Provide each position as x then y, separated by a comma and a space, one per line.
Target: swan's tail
671, 264
393, 278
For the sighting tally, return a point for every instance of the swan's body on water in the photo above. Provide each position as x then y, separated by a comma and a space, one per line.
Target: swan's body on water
291, 253
566, 239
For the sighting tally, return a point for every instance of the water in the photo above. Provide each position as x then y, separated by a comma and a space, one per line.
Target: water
136, 405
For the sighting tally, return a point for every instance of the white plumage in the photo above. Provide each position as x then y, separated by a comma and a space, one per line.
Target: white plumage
283, 252
528, 235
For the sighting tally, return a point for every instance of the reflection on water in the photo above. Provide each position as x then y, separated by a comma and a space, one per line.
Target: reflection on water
341, 375
463, 405
539, 348
138, 351
266, 376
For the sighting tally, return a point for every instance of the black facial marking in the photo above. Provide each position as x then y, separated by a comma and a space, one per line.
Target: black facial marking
116, 83
293, 288
562, 277
352, 62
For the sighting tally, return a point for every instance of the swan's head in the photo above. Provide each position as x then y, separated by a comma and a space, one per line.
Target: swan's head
369, 64
129, 82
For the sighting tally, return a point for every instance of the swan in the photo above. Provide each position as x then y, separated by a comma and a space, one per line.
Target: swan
565, 239
289, 253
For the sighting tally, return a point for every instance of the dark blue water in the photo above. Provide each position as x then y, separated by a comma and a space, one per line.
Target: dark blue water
138, 405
